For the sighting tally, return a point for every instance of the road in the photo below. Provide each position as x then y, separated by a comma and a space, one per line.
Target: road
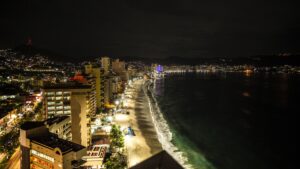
15, 119
14, 161
2, 155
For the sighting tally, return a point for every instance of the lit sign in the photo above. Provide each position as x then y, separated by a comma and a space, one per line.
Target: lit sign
159, 69
42, 155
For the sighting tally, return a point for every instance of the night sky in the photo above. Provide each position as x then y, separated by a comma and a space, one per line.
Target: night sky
153, 28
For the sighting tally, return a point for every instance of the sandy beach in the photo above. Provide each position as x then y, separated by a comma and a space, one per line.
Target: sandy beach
145, 143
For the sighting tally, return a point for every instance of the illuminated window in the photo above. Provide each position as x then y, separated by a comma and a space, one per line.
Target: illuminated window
51, 112
59, 103
51, 98
67, 93
58, 98
67, 112
50, 103
67, 107
59, 107
50, 93
67, 98
59, 112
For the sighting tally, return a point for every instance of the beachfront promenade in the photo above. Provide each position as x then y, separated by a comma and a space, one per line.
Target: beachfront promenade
145, 143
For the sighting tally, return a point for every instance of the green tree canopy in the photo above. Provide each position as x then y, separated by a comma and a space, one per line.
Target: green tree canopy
116, 136
118, 161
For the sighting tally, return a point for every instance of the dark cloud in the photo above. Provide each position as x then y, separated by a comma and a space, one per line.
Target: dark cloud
155, 28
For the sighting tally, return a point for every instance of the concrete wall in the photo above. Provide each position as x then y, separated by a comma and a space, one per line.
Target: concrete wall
79, 126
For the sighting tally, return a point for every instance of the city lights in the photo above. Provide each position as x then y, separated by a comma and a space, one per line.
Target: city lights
149, 84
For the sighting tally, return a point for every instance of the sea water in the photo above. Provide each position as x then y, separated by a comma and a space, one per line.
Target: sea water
227, 120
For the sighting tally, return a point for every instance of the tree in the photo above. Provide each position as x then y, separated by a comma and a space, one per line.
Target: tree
116, 136
118, 161
9, 141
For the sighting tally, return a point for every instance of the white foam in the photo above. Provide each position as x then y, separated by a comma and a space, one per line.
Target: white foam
163, 131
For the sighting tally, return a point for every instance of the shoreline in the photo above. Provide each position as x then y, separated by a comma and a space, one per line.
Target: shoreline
163, 129
145, 143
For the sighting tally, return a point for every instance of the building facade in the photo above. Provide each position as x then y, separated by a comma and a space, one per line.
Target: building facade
60, 125
75, 100
119, 68
95, 72
41, 149
57, 102
105, 64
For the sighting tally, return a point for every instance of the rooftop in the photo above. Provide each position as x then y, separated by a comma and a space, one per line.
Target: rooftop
51, 140
162, 160
54, 120
70, 85
31, 125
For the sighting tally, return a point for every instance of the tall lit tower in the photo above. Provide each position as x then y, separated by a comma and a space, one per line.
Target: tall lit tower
75, 100
95, 72
105, 64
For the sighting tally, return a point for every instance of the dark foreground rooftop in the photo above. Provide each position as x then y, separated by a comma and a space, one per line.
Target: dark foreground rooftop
31, 125
51, 140
162, 160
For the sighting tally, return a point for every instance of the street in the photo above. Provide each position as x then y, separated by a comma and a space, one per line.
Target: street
14, 161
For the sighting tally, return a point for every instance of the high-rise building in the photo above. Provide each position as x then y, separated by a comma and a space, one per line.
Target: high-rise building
88, 68
132, 72
117, 85
41, 149
60, 125
105, 64
96, 74
80, 117
107, 90
112, 86
119, 68
102, 88
74, 99
56, 102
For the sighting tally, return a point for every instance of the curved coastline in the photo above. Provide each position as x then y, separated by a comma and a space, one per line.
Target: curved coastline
162, 128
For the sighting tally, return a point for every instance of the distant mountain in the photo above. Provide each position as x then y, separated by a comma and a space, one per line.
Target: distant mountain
29, 50
260, 60
263, 60
130, 58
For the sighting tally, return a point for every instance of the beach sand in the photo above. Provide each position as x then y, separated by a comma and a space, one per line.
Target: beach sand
145, 143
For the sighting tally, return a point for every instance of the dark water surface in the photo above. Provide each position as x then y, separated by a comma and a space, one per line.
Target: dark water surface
233, 120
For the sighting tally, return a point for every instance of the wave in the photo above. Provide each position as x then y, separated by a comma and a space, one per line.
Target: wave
162, 128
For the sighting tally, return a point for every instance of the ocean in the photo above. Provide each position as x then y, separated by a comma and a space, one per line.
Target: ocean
228, 120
